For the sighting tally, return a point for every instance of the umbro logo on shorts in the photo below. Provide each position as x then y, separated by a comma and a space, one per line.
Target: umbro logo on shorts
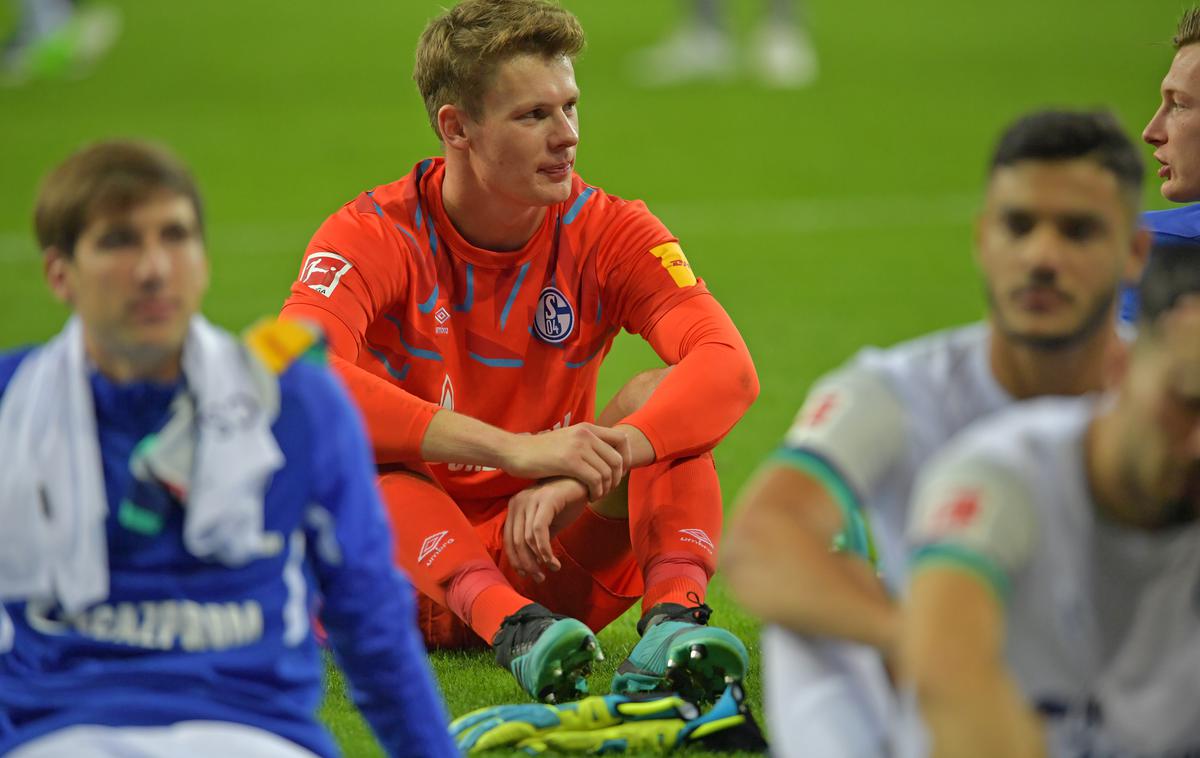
698, 537
433, 546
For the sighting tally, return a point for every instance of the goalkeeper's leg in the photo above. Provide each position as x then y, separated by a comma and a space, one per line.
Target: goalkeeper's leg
675, 522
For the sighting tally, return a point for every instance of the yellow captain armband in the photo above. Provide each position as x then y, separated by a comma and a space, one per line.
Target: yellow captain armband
279, 344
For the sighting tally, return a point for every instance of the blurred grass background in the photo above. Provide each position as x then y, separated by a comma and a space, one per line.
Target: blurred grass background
824, 219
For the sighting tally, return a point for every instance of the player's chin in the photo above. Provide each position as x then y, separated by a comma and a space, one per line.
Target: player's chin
551, 191
1178, 190
1045, 336
165, 335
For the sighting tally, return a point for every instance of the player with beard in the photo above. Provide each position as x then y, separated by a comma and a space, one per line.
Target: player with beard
1057, 237
1052, 606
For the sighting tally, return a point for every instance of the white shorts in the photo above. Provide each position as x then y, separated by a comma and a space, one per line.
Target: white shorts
186, 739
826, 697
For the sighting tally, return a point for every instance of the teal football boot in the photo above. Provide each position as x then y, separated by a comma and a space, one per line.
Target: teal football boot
680, 653
550, 655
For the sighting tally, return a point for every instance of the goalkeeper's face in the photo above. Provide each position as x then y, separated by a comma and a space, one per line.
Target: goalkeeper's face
1055, 241
522, 147
135, 278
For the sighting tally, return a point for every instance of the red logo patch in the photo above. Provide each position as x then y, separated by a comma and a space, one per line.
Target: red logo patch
822, 410
323, 271
957, 514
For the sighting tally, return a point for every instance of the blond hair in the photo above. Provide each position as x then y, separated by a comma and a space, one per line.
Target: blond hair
1188, 32
459, 51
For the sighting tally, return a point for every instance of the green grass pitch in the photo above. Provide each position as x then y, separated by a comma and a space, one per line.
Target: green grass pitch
823, 219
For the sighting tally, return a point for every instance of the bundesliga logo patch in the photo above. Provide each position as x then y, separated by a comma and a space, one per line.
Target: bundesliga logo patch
323, 271
554, 319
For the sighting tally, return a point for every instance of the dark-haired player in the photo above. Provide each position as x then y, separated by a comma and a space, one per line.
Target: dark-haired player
1052, 608
1057, 236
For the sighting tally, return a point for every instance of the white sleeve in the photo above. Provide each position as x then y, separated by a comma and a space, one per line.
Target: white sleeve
854, 421
976, 512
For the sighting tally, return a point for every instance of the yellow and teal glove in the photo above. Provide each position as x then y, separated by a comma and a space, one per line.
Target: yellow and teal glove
655, 723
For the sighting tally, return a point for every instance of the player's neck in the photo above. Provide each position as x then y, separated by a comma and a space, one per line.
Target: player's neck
1026, 371
482, 219
122, 368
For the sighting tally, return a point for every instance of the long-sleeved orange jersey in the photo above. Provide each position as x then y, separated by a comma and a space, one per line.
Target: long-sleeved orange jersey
511, 338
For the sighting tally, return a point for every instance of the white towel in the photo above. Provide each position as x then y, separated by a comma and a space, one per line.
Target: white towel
216, 451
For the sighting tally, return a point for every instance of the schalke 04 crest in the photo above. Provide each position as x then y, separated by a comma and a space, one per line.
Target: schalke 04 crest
554, 319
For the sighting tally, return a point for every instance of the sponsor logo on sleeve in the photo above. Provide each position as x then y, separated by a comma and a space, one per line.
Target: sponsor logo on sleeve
821, 410
554, 318
816, 416
676, 264
322, 271
956, 514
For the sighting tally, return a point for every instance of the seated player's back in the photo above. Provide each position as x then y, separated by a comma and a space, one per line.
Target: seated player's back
511, 338
1102, 632
179, 637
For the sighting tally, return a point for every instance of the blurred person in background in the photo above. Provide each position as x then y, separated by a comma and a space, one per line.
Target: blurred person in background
1174, 132
57, 39
702, 48
1052, 607
825, 516
469, 305
175, 501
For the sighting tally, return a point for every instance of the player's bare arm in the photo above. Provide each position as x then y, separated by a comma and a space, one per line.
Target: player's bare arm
799, 519
952, 653
781, 534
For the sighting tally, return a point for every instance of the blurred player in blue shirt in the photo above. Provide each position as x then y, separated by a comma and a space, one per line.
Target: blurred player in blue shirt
175, 501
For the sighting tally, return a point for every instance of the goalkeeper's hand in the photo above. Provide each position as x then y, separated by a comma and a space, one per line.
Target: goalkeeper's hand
612, 723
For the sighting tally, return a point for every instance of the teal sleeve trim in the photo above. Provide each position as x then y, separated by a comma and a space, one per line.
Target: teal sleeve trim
856, 535
957, 556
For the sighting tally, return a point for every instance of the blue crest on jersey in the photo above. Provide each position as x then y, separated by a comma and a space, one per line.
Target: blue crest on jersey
554, 318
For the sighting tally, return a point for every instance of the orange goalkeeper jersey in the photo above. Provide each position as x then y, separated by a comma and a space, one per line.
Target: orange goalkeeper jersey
511, 338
